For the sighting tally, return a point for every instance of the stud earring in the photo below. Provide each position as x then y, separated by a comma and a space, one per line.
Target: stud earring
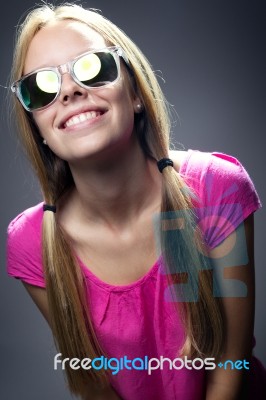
139, 107
44, 142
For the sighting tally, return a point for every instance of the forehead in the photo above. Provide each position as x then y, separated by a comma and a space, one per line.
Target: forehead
60, 42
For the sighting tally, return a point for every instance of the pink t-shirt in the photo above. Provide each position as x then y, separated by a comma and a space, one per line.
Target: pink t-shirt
136, 320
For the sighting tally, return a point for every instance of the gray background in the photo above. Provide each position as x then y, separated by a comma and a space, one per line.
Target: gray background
212, 57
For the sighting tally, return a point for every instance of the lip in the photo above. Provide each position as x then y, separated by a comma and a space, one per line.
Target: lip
82, 110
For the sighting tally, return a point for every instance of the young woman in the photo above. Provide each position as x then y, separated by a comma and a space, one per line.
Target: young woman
137, 251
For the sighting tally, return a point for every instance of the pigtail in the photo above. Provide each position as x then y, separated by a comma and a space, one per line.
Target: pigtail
183, 250
70, 322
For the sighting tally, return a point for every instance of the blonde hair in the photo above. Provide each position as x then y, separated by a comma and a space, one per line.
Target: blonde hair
69, 313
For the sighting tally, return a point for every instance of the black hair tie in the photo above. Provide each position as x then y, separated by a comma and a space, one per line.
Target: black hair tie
48, 207
164, 162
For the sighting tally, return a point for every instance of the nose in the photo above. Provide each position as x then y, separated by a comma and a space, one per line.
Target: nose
70, 90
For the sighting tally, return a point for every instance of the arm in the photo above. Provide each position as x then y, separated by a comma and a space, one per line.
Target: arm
239, 322
39, 296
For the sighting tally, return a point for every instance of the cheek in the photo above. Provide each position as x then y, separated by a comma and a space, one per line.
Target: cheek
125, 112
43, 119
123, 92
124, 102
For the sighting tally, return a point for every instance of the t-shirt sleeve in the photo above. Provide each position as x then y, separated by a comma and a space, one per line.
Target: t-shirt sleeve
226, 195
23, 251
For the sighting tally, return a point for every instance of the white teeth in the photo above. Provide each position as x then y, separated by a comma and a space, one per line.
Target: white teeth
81, 118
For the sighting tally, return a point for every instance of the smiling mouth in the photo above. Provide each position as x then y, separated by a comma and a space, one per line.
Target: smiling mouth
82, 117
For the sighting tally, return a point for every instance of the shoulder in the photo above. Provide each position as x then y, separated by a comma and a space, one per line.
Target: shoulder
212, 172
24, 256
196, 161
222, 190
178, 157
24, 232
28, 221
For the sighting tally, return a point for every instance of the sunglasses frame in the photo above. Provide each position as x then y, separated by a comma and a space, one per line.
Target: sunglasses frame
68, 67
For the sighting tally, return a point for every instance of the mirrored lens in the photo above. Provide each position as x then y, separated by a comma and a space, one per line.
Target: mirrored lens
47, 81
39, 89
96, 69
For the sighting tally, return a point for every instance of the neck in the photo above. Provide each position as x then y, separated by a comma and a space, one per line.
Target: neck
116, 191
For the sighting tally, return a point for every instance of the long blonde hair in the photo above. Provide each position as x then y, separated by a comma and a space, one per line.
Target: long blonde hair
69, 313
